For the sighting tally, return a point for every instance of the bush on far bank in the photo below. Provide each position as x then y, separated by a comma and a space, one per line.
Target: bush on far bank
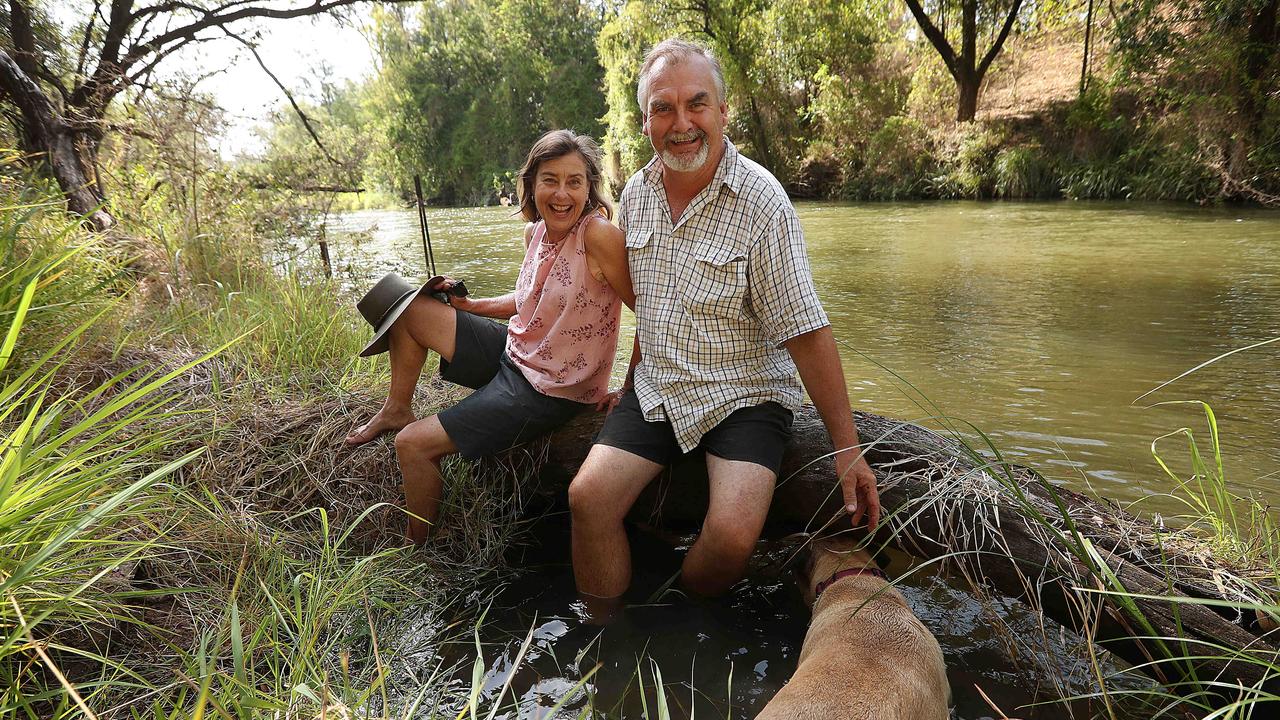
1104, 145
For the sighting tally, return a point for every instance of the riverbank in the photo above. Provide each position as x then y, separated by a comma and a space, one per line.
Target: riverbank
1101, 146
180, 534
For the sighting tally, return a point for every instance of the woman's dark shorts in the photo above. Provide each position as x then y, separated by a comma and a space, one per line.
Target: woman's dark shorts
756, 434
505, 410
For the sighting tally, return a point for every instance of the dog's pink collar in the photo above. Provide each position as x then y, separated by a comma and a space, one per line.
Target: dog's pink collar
840, 575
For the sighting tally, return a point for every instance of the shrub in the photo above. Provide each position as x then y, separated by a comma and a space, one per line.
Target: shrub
1173, 173
970, 169
897, 162
1094, 181
932, 98
1024, 172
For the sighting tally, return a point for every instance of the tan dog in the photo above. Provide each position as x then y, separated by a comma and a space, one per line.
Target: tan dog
866, 655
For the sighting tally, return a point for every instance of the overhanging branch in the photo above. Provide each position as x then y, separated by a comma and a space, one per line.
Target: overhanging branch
934, 35
306, 121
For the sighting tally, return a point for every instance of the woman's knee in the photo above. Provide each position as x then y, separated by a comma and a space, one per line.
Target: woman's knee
424, 437
426, 309
428, 323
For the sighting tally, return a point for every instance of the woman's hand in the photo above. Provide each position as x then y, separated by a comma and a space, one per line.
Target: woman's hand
610, 401
443, 284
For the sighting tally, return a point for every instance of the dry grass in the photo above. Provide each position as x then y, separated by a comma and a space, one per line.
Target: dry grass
1034, 74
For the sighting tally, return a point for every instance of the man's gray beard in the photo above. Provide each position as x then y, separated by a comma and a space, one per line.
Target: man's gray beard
680, 164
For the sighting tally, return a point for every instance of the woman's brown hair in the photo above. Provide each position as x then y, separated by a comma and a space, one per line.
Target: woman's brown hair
550, 146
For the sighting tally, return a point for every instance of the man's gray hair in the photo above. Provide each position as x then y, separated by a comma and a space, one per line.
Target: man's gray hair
675, 50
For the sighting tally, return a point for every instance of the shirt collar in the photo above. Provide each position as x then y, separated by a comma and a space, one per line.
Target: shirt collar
727, 172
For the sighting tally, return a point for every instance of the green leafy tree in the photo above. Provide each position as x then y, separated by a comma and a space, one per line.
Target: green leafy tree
466, 87
1218, 62
779, 60
621, 45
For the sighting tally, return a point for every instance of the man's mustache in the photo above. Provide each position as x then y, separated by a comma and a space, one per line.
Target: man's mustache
694, 134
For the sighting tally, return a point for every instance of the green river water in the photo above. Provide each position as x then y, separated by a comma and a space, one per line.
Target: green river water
1039, 324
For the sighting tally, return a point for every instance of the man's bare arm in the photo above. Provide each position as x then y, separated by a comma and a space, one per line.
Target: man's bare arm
816, 357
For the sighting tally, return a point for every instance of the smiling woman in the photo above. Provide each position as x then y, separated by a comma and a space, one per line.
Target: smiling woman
551, 361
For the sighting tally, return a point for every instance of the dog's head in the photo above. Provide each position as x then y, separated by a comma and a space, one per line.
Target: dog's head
828, 556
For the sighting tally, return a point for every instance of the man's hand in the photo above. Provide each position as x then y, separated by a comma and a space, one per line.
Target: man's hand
815, 356
858, 483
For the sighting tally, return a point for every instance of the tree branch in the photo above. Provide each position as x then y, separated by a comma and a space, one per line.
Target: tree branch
935, 36
1004, 33
104, 83
120, 82
88, 34
306, 121
221, 19
118, 25
24, 38
258, 184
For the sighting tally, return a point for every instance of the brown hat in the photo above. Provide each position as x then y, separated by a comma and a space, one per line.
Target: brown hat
382, 305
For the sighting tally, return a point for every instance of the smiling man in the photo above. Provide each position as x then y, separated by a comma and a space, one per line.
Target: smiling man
726, 314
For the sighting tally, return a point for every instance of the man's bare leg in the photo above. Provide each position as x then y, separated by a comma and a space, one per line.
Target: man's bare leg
740, 493
600, 495
419, 447
427, 324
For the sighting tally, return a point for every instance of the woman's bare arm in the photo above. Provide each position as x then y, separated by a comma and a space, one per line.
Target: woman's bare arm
607, 247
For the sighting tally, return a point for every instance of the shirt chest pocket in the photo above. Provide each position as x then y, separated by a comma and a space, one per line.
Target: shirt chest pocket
642, 261
715, 290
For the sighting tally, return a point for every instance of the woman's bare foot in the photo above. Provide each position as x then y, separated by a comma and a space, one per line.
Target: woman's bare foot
386, 420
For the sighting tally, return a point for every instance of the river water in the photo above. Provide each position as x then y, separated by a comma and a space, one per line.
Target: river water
1039, 324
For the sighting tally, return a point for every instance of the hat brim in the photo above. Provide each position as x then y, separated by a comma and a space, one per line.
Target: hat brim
380, 342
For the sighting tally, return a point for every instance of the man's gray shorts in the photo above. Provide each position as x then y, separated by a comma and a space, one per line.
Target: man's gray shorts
756, 434
505, 410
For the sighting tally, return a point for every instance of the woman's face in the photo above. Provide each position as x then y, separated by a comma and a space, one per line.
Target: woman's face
560, 192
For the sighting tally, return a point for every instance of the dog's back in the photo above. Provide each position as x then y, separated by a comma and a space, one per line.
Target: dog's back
866, 655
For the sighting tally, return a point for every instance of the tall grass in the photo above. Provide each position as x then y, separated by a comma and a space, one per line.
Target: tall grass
73, 480
134, 581
1240, 530
298, 334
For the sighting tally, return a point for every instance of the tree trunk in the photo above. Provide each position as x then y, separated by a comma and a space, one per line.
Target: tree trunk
965, 67
967, 87
50, 134
984, 519
760, 138
1088, 38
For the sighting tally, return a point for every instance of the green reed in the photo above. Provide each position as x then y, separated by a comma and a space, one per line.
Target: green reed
73, 480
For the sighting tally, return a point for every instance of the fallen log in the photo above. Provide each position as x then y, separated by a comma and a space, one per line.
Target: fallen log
1005, 527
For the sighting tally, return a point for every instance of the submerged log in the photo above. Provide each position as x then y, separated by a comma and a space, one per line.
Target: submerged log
1006, 527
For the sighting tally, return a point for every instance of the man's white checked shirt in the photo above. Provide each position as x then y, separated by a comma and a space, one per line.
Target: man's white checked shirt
717, 294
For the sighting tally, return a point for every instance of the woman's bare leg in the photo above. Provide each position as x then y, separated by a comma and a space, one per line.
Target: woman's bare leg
427, 324
419, 447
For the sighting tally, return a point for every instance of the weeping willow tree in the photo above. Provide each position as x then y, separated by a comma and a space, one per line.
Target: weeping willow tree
795, 70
